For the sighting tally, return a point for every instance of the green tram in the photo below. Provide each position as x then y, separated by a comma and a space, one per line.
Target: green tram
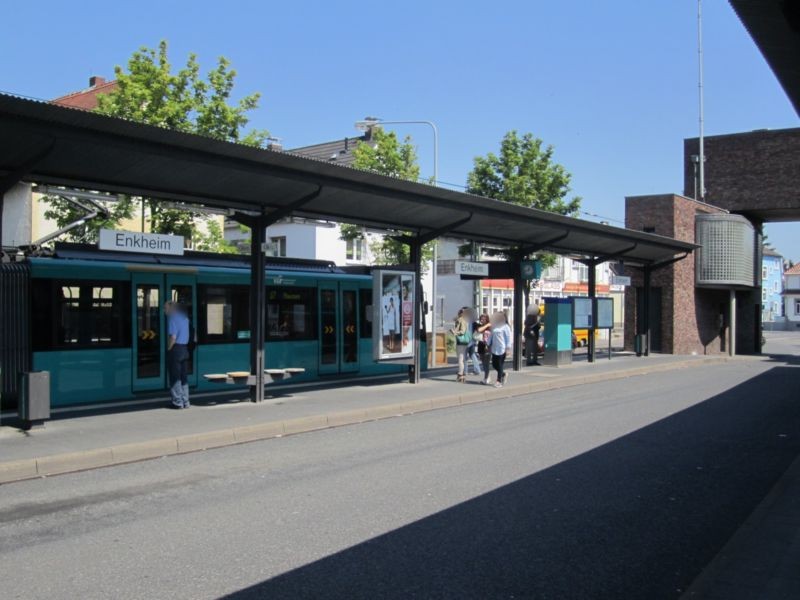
95, 321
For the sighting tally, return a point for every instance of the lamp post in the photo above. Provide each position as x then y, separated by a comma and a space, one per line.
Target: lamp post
365, 125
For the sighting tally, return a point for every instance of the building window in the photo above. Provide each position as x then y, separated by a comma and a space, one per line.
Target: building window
649, 229
775, 286
276, 246
764, 272
763, 295
581, 271
355, 249
797, 306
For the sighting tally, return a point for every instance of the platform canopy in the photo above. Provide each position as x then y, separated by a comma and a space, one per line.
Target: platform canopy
774, 26
45, 143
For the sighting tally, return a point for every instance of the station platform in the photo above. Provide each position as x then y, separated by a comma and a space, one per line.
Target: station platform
79, 440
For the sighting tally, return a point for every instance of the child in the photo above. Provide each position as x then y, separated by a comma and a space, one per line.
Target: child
499, 343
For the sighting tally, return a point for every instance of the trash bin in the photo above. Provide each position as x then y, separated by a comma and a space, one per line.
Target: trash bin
34, 398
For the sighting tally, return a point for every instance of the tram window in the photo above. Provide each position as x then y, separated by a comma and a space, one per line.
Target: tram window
365, 308
223, 314
80, 315
291, 313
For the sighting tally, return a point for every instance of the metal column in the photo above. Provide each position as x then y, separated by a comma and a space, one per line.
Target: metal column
258, 306
646, 311
415, 251
518, 312
732, 327
592, 291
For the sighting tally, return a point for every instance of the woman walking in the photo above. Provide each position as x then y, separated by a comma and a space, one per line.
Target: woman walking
462, 330
485, 331
499, 344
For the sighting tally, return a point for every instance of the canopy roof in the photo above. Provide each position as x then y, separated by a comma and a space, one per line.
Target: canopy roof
44, 143
774, 26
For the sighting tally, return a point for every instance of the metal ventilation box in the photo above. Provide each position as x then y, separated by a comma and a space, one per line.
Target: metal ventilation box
34, 406
727, 253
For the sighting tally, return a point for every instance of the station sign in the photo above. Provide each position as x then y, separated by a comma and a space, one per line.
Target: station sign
623, 280
465, 267
148, 243
394, 319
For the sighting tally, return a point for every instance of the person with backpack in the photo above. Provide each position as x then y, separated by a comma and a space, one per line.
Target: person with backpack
473, 359
462, 330
499, 344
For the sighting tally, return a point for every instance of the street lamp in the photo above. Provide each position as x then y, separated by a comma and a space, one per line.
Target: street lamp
365, 125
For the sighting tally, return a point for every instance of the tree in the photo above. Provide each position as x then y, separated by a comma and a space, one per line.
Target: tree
213, 240
524, 173
387, 156
149, 92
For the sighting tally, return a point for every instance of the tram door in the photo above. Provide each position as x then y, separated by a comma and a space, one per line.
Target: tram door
338, 328
150, 292
148, 331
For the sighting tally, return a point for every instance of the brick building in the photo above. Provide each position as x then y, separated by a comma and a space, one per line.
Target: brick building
684, 319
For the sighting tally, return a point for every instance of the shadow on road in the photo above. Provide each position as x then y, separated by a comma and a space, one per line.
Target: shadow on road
638, 517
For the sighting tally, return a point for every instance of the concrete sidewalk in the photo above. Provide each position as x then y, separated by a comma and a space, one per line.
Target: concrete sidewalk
762, 560
95, 440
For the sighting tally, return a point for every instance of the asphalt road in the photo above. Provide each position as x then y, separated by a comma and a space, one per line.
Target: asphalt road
621, 490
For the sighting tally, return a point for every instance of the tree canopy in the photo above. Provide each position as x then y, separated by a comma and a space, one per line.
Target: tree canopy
524, 173
148, 91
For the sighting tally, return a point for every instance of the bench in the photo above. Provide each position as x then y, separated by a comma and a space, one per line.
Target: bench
245, 378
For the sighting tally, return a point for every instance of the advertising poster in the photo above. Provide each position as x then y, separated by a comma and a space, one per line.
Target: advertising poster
582, 313
394, 312
605, 313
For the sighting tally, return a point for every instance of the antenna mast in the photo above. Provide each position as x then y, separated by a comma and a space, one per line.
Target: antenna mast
701, 140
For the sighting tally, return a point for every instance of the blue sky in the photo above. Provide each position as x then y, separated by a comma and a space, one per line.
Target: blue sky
612, 85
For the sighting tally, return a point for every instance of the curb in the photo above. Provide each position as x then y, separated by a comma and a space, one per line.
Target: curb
59, 464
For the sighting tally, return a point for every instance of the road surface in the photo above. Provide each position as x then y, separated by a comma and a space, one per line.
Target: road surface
620, 490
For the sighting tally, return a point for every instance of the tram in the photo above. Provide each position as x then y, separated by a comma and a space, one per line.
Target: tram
96, 322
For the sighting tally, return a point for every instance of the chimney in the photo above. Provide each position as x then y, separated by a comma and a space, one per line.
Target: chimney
96, 80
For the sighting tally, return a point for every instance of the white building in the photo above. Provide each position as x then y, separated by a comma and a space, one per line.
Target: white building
791, 296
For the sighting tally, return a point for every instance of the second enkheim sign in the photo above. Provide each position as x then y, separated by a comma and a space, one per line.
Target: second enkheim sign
131, 241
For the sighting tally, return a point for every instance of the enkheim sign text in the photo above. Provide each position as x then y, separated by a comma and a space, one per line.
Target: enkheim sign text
131, 241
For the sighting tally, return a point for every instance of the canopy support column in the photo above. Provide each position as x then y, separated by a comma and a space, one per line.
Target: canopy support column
415, 244
518, 317
258, 306
592, 292
258, 224
646, 312
415, 248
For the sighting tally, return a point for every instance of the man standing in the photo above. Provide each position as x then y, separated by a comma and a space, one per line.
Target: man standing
531, 334
177, 353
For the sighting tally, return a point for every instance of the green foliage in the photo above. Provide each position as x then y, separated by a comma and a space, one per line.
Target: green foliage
523, 173
213, 240
149, 92
387, 156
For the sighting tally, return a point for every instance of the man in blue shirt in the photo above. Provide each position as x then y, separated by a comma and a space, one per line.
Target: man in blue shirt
177, 353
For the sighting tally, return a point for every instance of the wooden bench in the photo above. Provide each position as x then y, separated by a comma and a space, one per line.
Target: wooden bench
245, 378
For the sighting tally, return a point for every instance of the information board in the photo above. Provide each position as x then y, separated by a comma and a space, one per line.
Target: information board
393, 315
582, 312
605, 313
